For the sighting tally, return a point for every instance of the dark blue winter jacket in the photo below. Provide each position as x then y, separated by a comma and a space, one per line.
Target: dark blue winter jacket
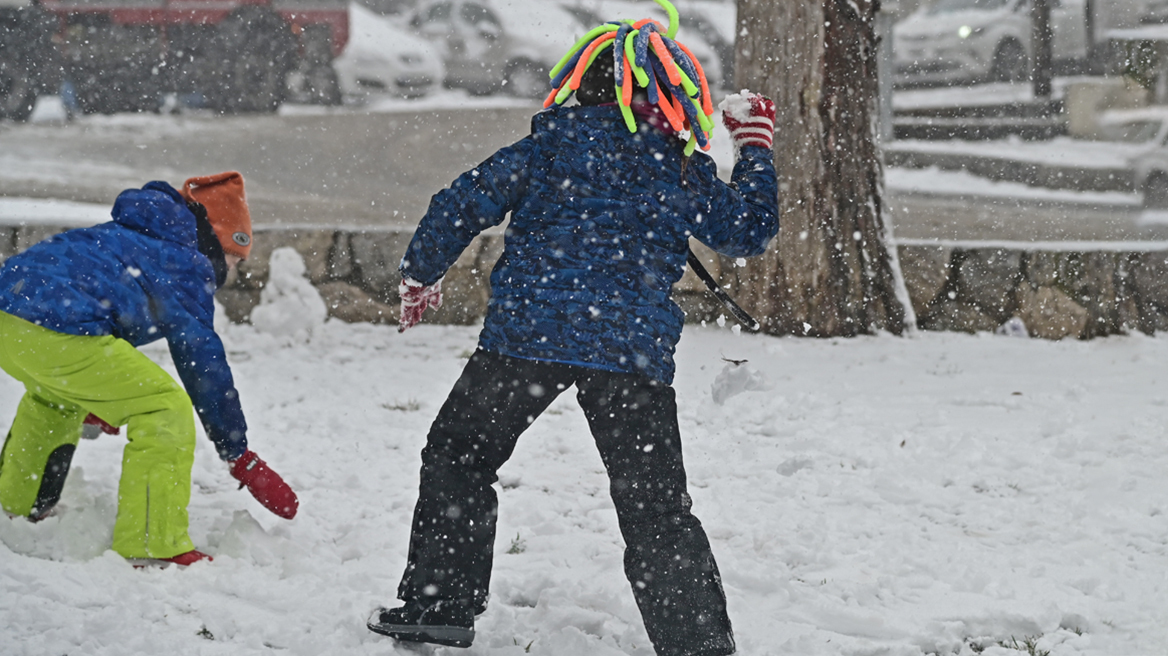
141, 278
599, 230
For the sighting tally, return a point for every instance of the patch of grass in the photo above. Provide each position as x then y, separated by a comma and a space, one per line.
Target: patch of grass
1029, 645
518, 546
205, 634
410, 405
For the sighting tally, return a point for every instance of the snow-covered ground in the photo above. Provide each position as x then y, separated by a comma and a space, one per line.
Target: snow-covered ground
48, 211
936, 494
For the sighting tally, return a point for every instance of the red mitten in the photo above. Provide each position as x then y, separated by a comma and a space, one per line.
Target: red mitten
265, 485
750, 118
94, 420
415, 298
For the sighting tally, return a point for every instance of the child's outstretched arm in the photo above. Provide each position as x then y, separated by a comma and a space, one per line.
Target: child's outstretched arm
201, 362
479, 199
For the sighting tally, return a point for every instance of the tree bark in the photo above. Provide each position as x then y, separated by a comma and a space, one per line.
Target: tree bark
831, 271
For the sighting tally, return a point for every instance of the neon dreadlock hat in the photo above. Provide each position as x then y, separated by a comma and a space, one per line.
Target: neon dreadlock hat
645, 54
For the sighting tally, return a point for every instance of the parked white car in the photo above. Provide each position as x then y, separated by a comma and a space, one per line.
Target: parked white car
976, 40
497, 45
383, 58
1146, 130
545, 32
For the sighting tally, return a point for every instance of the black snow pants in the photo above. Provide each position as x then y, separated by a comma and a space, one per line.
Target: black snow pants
633, 419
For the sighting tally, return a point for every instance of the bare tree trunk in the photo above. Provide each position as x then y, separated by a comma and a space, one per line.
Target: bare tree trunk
1042, 43
830, 272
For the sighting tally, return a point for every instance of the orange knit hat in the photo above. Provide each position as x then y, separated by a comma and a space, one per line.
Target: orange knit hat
222, 195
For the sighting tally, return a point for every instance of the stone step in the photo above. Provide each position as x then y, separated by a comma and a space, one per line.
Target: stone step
977, 129
1004, 168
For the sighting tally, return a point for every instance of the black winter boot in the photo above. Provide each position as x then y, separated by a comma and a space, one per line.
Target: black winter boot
53, 482
440, 622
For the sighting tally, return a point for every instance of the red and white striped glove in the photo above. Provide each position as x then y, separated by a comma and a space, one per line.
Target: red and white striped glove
750, 118
415, 298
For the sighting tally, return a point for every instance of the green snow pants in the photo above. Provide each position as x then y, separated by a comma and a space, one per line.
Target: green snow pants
68, 376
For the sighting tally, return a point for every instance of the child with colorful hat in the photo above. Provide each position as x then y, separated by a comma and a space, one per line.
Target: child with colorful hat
603, 198
72, 310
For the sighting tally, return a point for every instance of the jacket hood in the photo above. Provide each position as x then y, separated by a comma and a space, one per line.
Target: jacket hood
559, 122
156, 210
560, 117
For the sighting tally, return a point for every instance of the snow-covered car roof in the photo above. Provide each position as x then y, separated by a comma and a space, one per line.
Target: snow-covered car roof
371, 32
544, 30
386, 55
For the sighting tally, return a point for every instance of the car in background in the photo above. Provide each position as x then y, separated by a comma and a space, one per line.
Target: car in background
1146, 129
383, 58
1151, 12
1143, 126
717, 22
497, 45
979, 40
29, 64
546, 31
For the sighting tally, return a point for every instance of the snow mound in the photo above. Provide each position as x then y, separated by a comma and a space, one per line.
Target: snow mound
736, 378
1014, 327
289, 305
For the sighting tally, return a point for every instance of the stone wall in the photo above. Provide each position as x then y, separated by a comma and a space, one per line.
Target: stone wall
1058, 290
356, 274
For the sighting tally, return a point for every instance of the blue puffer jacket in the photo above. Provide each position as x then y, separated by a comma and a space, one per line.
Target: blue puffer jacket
599, 229
140, 277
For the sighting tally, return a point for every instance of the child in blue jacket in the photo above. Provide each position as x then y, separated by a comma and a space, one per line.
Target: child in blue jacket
72, 310
600, 222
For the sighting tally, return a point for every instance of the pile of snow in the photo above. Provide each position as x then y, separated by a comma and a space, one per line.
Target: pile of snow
738, 377
289, 305
940, 494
